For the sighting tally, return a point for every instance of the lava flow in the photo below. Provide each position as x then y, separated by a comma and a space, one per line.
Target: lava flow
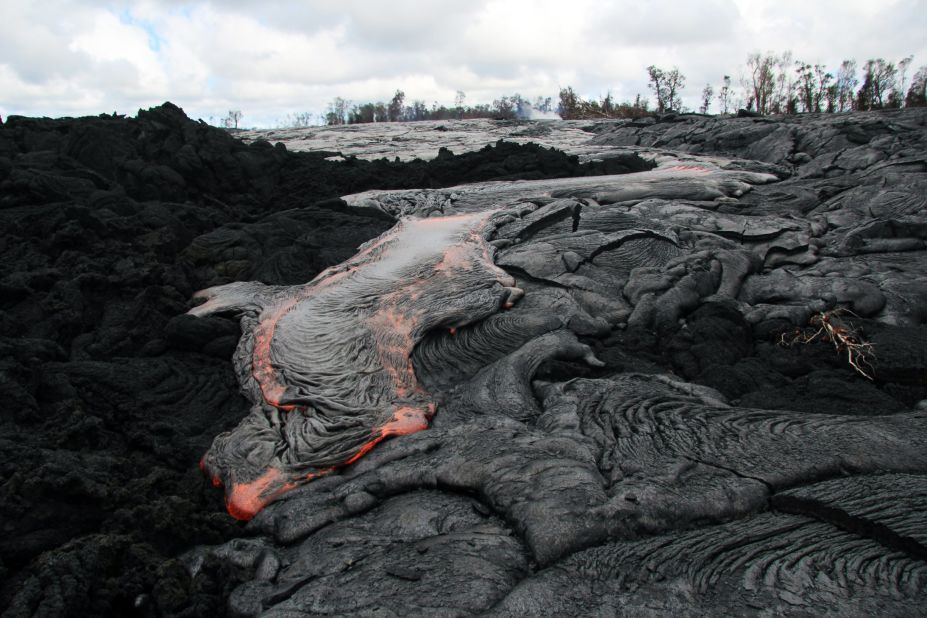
328, 365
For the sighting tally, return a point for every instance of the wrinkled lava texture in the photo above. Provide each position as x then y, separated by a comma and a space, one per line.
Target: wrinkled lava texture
328, 365
580, 374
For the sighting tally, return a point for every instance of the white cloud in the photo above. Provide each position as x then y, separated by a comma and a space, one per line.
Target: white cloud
273, 57
665, 23
123, 62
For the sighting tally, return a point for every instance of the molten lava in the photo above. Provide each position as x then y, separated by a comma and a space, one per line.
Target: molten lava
328, 365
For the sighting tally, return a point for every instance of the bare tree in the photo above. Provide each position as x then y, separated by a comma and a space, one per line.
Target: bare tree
724, 95
231, 121
761, 80
878, 85
805, 85
675, 82
903, 65
337, 111
300, 120
845, 85
782, 101
707, 93
543, 104
823, 81
917, 93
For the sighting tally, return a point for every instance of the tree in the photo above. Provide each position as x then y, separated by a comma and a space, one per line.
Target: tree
666, 86
675, 82
831, 97
878, 85
543, 104
572, 106
707, 93
761, 81
845, 86
568, 106
521, 106
917, 93
822, 86
380, 113
365, 112
656, 84
903, 65
231, 121
505, 107
782, 101
300, 120
724, 95
608, 105
394, 109
813, 82
865, 99
417, 111
337, 112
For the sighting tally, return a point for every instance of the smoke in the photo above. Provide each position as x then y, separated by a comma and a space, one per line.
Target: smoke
526, 111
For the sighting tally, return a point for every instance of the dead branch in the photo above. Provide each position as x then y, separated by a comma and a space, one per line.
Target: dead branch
831, 326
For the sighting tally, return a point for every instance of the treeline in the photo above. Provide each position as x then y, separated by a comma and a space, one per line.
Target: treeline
574, 107
511, 107
779, 84
341, 111
770, 83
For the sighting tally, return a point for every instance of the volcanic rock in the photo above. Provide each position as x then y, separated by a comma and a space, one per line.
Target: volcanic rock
667, 421
112, 395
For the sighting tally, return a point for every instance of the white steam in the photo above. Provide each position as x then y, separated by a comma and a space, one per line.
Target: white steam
526, 111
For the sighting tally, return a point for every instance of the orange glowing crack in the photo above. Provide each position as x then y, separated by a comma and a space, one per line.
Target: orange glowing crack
245, 500
262, 366
406, 420
687, 168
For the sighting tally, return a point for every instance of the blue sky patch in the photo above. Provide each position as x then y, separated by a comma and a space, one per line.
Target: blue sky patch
154, 39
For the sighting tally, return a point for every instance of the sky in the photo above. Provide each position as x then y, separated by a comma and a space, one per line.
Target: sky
272, 59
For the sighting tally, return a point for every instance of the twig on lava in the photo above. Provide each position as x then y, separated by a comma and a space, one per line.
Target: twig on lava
845, 337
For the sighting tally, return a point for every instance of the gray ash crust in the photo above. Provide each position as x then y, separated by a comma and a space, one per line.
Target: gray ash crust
690, 465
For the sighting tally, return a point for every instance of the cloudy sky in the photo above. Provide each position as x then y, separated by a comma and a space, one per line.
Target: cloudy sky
272, 58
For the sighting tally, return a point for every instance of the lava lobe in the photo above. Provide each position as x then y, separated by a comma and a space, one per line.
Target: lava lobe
327, 365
